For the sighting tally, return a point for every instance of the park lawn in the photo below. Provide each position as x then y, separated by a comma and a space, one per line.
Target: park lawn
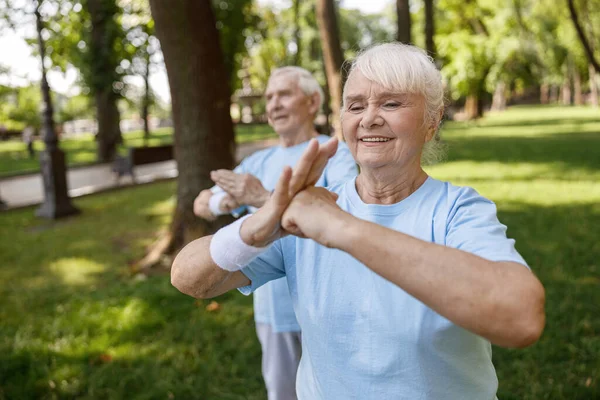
81, 150
75, 323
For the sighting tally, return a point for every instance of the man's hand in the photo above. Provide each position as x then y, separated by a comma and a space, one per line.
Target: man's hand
243, 188
201, 208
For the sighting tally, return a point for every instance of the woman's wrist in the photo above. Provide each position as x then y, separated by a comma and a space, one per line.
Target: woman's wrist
254, 233
339, 231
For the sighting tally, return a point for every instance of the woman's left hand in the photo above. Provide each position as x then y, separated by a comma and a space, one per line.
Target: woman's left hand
313, 213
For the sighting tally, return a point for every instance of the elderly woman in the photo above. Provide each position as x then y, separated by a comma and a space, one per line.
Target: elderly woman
412, 277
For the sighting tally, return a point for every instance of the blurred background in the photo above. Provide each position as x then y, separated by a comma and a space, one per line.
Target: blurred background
113, 113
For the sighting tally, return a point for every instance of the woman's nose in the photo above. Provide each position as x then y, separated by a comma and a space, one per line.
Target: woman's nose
370, 118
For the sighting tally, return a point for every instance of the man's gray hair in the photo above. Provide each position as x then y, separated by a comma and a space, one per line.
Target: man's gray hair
404, 68
306, 81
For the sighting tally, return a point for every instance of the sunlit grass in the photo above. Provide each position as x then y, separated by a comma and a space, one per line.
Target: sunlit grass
77, 324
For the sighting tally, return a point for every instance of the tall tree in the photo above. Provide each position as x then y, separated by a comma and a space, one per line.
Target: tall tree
404, 22
430, 28
103, 62
589, 51
333, 57
200, 95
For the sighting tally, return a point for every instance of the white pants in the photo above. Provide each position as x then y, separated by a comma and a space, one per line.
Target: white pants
280, 358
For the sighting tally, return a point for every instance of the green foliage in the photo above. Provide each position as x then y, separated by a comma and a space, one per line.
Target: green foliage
76, 324
234, 17
76, 107
20, 107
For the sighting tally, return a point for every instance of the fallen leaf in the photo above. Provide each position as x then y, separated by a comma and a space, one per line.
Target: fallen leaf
213, 306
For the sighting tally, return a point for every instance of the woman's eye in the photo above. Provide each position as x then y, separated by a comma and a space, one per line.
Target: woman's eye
391, 104
355, 108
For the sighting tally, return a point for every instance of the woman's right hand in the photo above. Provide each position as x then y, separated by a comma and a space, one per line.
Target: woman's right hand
264, 226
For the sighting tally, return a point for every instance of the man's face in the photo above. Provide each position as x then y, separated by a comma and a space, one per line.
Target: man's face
288, 107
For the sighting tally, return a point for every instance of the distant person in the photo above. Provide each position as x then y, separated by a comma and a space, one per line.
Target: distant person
401, 282
27, 136
293, 99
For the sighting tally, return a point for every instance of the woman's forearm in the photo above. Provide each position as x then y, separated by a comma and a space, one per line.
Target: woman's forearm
501, 301
195, 273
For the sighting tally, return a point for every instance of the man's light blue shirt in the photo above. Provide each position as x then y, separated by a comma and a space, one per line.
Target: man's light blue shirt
364, 337
272, 302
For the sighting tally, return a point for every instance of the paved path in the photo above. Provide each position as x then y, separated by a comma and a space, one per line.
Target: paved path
26, 190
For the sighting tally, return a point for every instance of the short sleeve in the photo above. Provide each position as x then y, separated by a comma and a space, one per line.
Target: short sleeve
473, 226
266, 267
341, 167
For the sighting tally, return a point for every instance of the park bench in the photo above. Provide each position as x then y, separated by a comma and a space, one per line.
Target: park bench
124, 165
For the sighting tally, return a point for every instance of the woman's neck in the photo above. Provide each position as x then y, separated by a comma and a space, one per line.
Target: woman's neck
389, 185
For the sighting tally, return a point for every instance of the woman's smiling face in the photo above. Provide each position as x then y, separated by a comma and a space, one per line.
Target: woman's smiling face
383, 128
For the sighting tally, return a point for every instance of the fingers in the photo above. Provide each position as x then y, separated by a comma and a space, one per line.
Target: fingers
303, 167
326, 151
281, 195
223, 177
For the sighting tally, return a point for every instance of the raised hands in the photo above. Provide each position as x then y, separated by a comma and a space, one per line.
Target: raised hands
264, 227
245, 189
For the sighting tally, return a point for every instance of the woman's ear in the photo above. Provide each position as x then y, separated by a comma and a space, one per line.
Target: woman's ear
434, 126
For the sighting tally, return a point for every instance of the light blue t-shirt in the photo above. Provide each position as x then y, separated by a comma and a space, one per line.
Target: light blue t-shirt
364, 337
272, 302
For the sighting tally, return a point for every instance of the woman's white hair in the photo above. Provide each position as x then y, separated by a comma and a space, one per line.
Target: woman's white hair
404, 68
306, 81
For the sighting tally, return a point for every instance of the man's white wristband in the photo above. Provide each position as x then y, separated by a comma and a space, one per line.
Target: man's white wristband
214, 203
229, 251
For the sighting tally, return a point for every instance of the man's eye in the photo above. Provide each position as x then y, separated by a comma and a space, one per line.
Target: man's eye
355, 108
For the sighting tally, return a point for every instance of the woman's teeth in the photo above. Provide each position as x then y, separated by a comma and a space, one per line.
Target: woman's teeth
375, 139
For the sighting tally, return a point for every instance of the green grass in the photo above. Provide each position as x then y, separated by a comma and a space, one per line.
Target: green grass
82, 149
75, 324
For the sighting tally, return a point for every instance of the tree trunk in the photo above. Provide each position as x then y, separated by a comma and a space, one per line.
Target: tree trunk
593, 86
103, 66
333, 57
544, 93
429, 28
471, 106
565, 91
297, 33
553, 94
146, 99
403, 13
109, 131
499, 99
589, 52
200, 95
577, 95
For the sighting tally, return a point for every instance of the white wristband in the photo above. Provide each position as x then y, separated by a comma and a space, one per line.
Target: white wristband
214, 203
229, 251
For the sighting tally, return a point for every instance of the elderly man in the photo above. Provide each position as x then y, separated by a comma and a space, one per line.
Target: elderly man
293, 100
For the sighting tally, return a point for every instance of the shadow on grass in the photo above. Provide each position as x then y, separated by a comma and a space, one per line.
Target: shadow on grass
561, 246
581, 150
550, 122
76, 324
